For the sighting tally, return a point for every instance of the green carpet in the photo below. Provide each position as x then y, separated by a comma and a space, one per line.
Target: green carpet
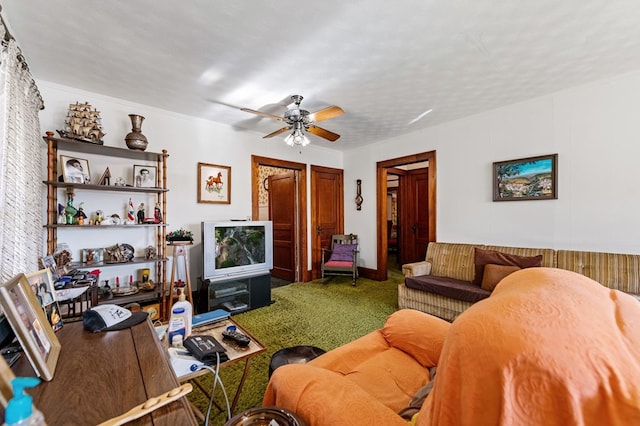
317, 314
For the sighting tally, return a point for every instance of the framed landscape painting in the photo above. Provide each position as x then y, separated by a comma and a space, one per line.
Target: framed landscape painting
532, 178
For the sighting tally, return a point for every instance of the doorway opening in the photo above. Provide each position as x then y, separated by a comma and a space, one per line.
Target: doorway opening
406, 200
290, 238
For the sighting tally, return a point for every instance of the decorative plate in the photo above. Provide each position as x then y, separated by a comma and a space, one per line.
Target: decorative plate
124, 291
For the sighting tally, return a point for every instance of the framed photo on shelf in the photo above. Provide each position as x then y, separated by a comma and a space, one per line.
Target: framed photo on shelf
41, 283
49, 262
92, 255
532, 178
214, 184
144, 176
75, 169
29, 323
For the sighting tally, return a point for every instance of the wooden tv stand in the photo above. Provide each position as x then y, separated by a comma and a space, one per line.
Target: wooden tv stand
102, 375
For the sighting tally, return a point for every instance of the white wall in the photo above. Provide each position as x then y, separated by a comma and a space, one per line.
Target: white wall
188, 141
595, 129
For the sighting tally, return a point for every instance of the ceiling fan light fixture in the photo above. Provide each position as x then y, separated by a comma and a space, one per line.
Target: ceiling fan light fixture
297, 138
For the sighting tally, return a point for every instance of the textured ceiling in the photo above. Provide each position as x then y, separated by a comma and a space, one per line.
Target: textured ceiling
383, 62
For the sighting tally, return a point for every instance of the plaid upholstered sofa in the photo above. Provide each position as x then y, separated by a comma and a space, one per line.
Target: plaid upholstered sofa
456, 262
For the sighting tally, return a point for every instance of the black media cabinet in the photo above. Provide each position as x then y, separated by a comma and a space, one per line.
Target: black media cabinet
238, 294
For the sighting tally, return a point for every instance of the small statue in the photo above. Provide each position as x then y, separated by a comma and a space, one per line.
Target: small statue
130, 214
157, 214
150, 253
99, 217
80, 216
62, 219
141, 213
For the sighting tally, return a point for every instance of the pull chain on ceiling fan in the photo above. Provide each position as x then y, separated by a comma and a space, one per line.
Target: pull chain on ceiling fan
301, 121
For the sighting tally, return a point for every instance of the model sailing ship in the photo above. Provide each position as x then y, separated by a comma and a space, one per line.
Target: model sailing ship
83, 123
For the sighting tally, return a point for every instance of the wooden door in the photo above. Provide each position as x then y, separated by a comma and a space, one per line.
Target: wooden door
282, 212
327, 195
413, 206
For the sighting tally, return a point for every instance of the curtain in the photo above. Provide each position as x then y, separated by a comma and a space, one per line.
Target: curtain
22, 200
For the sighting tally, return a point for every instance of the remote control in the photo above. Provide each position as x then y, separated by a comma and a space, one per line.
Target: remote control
239, 338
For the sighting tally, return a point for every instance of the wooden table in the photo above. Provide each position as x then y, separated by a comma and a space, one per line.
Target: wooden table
102, 375
234, 352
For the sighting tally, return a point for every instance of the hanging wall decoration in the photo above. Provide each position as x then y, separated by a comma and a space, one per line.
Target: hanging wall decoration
214, 184
532, 178
359, 198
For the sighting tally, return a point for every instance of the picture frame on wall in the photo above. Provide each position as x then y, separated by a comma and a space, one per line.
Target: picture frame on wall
26, 317
41, 284
531, 178
145, 176
214, 184
75, 170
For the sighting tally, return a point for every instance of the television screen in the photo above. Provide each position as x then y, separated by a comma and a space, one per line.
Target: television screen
239, 246
234, 248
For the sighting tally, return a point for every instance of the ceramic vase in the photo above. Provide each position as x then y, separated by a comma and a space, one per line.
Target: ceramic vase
135, 139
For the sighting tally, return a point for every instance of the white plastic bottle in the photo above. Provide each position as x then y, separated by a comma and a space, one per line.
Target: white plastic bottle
181, 319
20, 410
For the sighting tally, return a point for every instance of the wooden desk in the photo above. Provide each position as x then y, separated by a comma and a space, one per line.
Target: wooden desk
102, 375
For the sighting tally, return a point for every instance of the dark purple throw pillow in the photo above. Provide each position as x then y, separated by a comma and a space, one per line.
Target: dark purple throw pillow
485, 257
343, 252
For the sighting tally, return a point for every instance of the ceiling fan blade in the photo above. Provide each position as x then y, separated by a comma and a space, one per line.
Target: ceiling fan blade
264, 114
277, 132
323, 133
326, 113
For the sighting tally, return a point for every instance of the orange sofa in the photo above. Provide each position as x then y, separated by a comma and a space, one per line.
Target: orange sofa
549, 346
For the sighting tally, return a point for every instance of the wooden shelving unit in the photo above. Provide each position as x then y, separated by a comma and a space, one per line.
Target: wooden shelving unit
53, 185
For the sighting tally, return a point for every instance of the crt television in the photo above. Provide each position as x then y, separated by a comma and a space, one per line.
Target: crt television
236, 248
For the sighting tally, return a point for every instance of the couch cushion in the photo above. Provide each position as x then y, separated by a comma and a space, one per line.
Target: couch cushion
613, 270
448, 287
343, 252
493, 274
483, 257
451, 260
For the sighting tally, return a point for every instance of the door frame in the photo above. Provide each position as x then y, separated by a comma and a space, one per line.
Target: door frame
381, 203
301, 246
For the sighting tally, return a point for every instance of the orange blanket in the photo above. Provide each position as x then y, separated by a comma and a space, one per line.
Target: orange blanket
549, 347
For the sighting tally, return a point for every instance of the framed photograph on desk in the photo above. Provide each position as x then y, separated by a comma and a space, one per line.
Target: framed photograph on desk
28, 320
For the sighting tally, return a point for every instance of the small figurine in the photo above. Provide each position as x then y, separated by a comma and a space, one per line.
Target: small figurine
157, 214
99, 217
130, 213
150, 253
80, 216
141, 213
62, 219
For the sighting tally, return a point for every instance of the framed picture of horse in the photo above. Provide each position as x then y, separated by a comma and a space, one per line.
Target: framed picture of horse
214, 184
